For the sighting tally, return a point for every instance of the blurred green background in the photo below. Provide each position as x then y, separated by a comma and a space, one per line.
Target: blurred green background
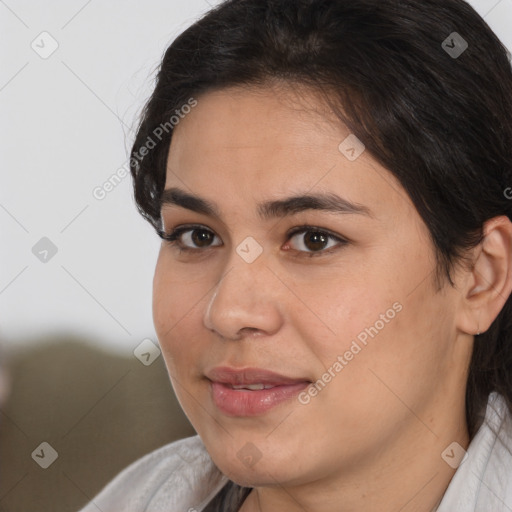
98, 410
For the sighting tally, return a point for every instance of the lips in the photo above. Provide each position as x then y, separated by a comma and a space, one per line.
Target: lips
251, 391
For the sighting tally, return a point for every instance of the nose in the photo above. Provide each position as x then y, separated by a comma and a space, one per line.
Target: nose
244, 301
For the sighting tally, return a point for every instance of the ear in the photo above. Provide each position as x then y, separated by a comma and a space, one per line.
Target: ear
489, 282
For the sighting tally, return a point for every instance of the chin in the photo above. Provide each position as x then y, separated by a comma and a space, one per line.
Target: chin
257, 476
249, 467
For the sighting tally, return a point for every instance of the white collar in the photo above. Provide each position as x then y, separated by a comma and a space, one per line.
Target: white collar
483, 482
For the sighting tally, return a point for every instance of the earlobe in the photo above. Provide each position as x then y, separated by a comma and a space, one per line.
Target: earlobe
490, 281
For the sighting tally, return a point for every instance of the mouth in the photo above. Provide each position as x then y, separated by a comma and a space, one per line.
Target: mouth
251, 391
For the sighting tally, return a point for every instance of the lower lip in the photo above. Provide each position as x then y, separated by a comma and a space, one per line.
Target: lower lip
243, 402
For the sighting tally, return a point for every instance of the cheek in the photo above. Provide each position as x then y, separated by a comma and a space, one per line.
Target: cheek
177, 310
404, 346
386, 317
173, 294
346, 308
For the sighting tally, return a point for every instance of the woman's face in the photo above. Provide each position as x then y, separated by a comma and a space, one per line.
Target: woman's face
305, 268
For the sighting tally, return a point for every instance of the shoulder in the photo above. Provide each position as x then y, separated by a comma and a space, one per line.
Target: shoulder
178, 476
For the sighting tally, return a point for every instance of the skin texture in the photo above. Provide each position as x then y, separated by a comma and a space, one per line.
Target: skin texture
372, 438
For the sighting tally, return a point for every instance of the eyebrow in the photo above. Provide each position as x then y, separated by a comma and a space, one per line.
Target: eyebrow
327, 202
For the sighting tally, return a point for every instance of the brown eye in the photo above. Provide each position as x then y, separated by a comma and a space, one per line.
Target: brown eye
202, 237
194, 238
314, 241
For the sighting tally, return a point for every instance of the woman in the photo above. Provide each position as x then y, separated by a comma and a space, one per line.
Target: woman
332, 294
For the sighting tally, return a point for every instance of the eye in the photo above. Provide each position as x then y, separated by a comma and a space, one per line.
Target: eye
309, 240
192, 238
313, 240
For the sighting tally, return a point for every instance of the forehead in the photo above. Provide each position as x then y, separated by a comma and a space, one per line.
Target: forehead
263, 143
262, 120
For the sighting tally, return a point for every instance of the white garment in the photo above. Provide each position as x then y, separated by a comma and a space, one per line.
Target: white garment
181, 477
483, 482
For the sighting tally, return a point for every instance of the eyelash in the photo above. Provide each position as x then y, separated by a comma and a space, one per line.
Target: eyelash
172, 239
